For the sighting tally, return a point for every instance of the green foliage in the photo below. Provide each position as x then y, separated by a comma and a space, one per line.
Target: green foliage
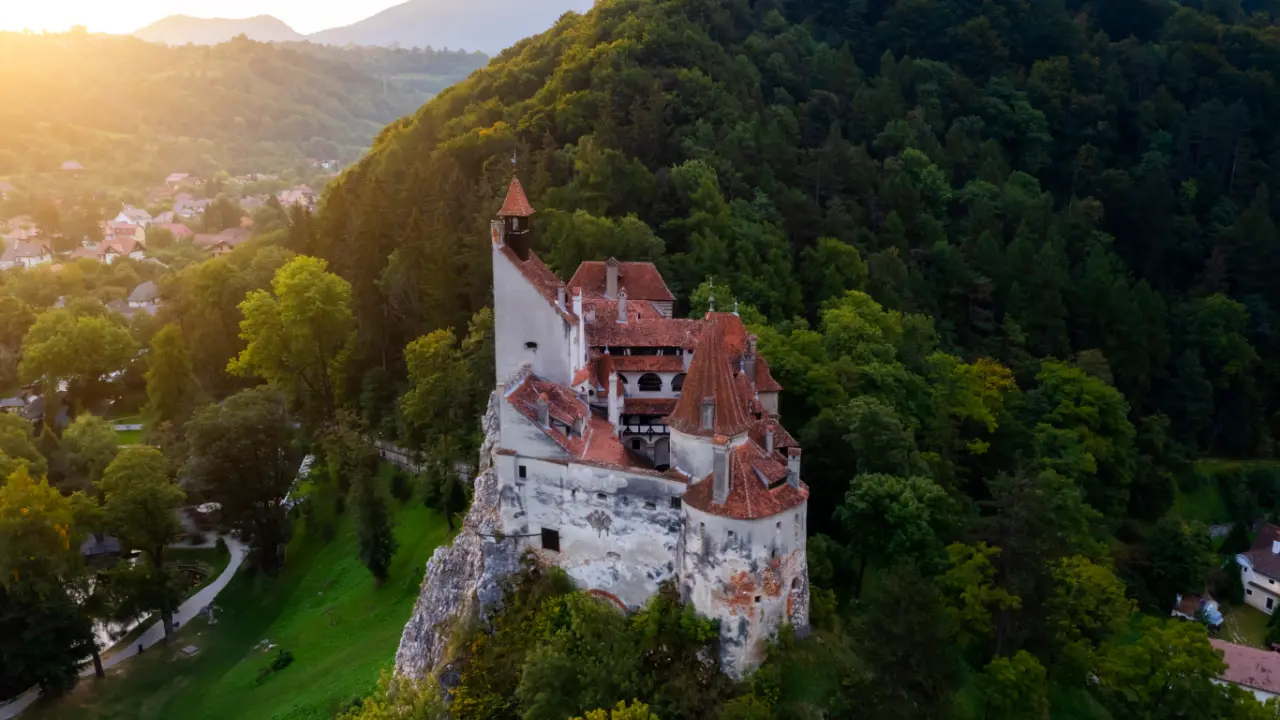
449, 387
892, 520
969, 585
173, 392
1016, 688
242, 453
78, 348
622, 711
298, 336
90, 444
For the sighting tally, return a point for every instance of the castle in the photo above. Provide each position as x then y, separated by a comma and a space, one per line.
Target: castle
636, 447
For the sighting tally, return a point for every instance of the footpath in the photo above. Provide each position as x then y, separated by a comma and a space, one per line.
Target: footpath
185, 613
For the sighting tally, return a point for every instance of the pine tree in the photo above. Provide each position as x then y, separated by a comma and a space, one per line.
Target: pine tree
374, 531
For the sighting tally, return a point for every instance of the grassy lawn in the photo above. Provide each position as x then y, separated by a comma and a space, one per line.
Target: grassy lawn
1205, 504
1245, 625
129, 437
324, 608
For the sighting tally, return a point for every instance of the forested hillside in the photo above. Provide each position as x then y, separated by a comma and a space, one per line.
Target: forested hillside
1013, 262
128, 110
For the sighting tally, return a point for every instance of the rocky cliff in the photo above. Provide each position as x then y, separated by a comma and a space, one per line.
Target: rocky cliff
463, 578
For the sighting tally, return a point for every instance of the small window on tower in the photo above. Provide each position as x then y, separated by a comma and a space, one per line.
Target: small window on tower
675, 503
524, 472
550, 539
532, 346
708, 413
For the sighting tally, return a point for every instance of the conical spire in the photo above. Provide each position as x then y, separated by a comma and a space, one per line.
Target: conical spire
710, 403
516, 204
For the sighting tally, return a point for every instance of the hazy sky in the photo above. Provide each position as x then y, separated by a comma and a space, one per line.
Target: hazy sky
123, 16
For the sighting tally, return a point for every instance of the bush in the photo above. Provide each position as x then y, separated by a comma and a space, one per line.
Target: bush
400, 488
283, 659
221, 546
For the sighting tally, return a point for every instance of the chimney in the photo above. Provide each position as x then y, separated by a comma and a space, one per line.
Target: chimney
719, 470
708, 413
768, 439
577, 301
793, 467
544, 411
622, 307
580, 427
611, 278
560, 297
615, 403
686, 357
1275, 547
749, 360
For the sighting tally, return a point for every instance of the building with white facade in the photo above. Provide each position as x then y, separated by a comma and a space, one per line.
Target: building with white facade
638, 448
1260, 570
1253, 669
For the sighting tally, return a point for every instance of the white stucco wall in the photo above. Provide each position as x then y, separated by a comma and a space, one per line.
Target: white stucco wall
1261, 695
523, 315
1258, 588
751, 575
769, 401
618, 531
692, 453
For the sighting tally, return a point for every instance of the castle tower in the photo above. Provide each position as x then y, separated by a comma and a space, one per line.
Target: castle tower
517, 220
741, 555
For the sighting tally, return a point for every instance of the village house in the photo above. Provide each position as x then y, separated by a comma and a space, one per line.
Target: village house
176, 179
223, 242
25, 254
134, 215
1255, 670
1260, 570
145, 297
637, 448
298, 195
179, 231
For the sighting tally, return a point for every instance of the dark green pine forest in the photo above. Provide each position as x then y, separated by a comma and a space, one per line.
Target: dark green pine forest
1014, 262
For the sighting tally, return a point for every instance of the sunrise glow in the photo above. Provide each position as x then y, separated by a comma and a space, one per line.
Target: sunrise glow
121, 17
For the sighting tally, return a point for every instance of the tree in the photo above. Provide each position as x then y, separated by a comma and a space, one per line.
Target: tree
1016, 688
44, 634
1088, 607
635, 710
243, 455
79, 349
173, 392
891, 519
90, 443
17, 445
140, 502
970, 590
298, 335
442, 488
356, 461
1179, 560
1168, 671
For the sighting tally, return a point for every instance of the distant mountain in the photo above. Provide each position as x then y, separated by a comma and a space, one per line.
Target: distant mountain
485, 25
183, 29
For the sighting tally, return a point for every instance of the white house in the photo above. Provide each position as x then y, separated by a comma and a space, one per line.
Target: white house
1257, 671
1260, 570
636, 448
145, 297
133, 216
27, 254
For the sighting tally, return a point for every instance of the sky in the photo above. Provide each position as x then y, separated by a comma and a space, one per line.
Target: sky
123, 16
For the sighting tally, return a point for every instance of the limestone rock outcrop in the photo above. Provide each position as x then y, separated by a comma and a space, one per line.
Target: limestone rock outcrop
463, 578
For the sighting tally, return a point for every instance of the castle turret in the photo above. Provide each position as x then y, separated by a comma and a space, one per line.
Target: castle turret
517, 220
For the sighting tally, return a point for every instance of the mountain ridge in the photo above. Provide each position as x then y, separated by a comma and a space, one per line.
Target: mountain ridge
415, 23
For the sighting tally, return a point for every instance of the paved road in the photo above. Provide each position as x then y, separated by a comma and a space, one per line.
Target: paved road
185, 613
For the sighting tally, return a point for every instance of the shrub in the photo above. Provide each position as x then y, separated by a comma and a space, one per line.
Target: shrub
221, 546
283, 659
400, 488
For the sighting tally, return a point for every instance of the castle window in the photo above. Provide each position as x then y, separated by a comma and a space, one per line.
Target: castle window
708, 413
550, 539
531, 346
636, 444
677, 383
730, 533
650, 382
675, 503
601, 496
650, 506
779, 525
524, 472
757, 598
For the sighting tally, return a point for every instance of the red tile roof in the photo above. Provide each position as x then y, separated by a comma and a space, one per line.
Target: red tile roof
230, 236
641, 280
648, 406
648, 363
781, 438
645, 326
516, 204
711, 376
1249, 666
751, 472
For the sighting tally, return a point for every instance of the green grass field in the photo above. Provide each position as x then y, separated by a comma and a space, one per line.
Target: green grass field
1244, 624
129, 437
324, 608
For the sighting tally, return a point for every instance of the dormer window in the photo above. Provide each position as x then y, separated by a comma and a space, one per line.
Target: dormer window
708, 413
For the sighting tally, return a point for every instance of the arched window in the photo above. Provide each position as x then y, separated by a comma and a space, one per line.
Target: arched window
677, 383
650, 382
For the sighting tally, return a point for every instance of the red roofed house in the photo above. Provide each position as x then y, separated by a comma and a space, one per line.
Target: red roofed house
1260, 570
1255, 670
636, 448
